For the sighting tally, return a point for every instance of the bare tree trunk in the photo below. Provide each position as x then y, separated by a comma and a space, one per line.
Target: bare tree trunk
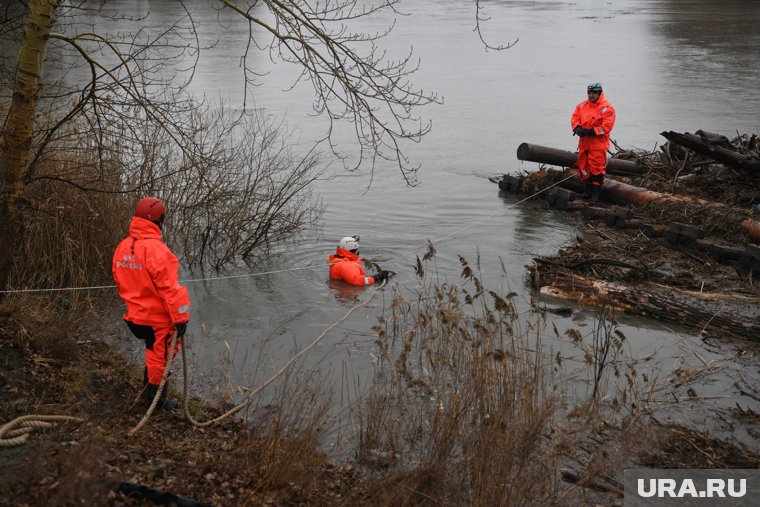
16, 141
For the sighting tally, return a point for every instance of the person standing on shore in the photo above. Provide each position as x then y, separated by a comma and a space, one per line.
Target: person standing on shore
146, 274
592, 121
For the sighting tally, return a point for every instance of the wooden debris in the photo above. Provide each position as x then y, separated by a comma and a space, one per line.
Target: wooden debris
716, 147
686, 259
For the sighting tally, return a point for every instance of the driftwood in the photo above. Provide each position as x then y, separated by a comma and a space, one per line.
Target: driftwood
563, 158
623, 193
705, 311
586, 262
715, 147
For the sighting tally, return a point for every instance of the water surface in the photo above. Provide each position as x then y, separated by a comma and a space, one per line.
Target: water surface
665, 65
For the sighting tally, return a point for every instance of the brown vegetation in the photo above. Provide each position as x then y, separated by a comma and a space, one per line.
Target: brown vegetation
47, 367
465, 409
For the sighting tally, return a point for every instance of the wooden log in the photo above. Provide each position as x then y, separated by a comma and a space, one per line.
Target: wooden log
617, 217
683, 234
655, 230
563, 158
511, 184
563, 199
622, 193
750, 258
700, 310
721, 251
595, 212
707, 146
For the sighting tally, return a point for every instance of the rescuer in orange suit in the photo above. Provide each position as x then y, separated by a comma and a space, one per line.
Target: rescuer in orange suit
146, 274
592, 122
346, 265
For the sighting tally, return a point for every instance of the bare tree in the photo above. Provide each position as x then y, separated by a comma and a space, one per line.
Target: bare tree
103, 92
349, 73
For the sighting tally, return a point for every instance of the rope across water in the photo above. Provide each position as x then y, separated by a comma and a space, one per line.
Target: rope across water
253, 392
289, 270
26, 424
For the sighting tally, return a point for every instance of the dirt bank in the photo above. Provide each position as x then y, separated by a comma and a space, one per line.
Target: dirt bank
48, 369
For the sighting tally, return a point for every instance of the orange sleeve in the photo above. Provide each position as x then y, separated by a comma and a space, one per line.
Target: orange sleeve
353, 273
608, 121
575, 119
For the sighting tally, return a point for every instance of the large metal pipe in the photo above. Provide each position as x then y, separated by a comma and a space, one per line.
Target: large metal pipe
563, 158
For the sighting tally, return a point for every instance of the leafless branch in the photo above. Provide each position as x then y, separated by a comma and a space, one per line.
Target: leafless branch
480, 19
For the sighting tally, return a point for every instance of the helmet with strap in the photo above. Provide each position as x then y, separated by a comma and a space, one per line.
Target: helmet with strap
150, 208
350, 243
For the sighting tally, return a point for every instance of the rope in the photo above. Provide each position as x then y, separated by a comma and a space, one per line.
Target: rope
160, 389
18, 430
261, 273
249, 397
193, 280
467, 226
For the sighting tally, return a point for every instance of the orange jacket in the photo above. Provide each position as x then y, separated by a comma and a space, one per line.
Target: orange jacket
146, 273
347, 266
600, 116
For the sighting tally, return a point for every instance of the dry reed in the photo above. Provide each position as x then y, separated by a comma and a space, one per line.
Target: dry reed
461, 410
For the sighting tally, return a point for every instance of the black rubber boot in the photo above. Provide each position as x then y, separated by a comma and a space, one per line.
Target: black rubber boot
149, 392
164, 403
587, 193
595, 194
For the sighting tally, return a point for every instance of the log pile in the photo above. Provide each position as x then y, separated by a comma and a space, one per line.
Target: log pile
676, 240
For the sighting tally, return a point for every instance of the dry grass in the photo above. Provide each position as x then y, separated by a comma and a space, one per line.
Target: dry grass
461, 410
273, 457
68, 235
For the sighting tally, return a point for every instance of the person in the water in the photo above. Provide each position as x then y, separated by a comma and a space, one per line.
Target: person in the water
346, 265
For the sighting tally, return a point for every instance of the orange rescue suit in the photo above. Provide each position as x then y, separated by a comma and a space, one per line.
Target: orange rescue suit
592, 150
346, 266
146, 274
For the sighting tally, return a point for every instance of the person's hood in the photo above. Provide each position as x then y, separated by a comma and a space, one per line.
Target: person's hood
141, 228
602, 101
341, 255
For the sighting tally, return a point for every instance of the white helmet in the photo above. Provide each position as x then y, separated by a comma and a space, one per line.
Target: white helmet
350, 243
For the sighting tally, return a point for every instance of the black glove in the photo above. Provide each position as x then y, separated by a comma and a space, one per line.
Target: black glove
579, 131
181, 328
589, 132
381, 276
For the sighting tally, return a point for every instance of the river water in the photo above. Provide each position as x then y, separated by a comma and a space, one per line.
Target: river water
665, 65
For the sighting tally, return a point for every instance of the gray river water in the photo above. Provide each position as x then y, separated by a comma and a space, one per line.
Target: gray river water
665, 65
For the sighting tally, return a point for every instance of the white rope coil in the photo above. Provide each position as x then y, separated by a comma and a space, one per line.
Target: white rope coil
16, 432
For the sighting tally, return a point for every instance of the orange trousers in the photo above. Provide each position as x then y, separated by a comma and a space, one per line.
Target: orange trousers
157, 340
591, 166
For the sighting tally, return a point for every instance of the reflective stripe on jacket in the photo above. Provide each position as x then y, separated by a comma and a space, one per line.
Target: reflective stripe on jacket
600, 116
146, 274
346, 266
